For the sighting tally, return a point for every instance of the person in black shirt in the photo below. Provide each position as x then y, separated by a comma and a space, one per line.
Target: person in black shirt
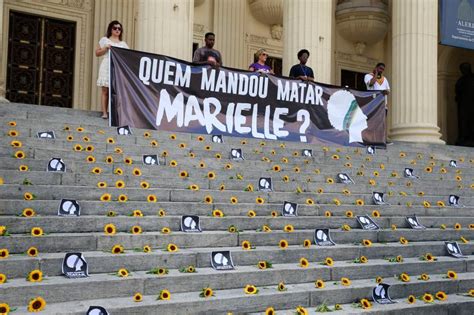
301, 71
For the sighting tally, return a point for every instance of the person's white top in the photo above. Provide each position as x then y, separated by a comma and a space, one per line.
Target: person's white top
384, 85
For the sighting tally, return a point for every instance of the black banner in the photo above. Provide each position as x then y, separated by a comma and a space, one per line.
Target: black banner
159, 92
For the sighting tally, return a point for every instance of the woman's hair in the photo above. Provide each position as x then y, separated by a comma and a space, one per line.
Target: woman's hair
111, 25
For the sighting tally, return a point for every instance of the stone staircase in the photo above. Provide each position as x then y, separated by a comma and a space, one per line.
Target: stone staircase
94, 154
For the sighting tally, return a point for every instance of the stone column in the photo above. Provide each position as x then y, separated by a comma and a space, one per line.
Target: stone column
165, 27
3, 57
414, 71
309, 24
105, 12
229, 27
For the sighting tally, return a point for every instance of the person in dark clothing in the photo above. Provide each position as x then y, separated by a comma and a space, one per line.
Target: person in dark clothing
207, 54
302, 71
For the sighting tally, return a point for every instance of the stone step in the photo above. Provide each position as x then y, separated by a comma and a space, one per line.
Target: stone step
235, 300
460, 304
124, 223
50, 208
56, 242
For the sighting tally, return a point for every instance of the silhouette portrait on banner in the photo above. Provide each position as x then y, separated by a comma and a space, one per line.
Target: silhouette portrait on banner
345, 114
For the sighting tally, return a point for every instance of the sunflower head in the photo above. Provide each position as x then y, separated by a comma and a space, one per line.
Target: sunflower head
136, 229
304, 262
164, 295
288, 228
123, 273
411, 299
329, 261
250, 289
378, 279
319, 284
428, 298
367, 242
217, 213
327, 213
281, 286
365, 304
452, 274
345, 281
307, 243
110, 229
172, 247
404, 277
37, 304
35, 276
37, 231
117, 249
137, 297
246, 245
283, 244
32, 252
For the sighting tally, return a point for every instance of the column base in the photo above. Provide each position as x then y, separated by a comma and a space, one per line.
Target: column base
416, 133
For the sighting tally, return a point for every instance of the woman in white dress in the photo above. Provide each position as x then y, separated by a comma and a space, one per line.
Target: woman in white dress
112, 38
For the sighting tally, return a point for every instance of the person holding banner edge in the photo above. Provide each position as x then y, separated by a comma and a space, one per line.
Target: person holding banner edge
113, 37
207, 55
302, 71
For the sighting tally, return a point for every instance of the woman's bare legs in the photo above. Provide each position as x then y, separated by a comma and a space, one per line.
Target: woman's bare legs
105, 101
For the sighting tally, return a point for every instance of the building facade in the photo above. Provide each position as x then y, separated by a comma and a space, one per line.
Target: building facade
47, 48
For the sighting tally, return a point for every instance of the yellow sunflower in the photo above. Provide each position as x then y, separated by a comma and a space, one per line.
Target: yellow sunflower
404, 277
3, 279
36, 305
151, 198
304, 263
366, 242
365, 304
136, 229
122, 198
23, 168
32, 252
349, 214
120, 184
283, 244
234, 200
327, 214
166, 230
137, 297
110, 229
359, 202
117, 249
288, 228
452, 275
183, 174
428, 298
211, 175
403, 241
250, 289
307, 243
144, 185
3, 253
123, 273
28, 212
329, 261
164, 295
217, 213
319, 284
411, 299
440, 295
345, 281
251, 213
246, 245
172, 247
37, 231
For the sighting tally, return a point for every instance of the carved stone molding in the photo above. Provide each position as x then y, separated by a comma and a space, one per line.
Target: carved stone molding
198, 28
198, 2
362, 22
269, 12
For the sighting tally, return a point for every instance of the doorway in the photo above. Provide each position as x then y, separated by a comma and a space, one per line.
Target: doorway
354, 80
40, 64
